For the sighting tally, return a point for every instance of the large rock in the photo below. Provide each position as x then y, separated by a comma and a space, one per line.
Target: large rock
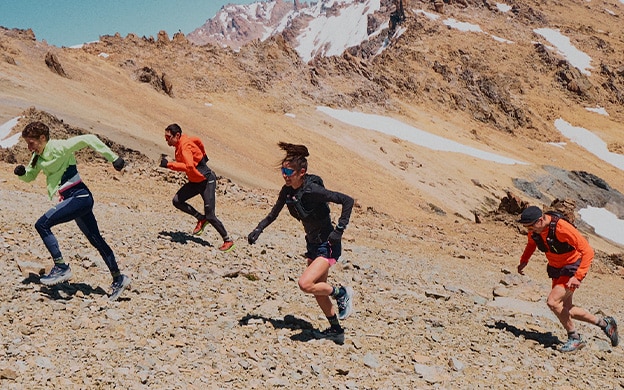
54, 64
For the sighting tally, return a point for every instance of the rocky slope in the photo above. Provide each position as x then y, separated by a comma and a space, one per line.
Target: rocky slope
426, 275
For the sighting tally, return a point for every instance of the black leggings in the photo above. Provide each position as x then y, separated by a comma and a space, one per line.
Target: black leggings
207, 190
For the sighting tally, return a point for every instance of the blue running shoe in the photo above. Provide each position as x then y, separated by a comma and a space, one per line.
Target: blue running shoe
345, 303
118, 287
57, 275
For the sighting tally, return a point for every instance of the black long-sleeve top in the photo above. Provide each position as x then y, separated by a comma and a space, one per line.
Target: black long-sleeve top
308, 204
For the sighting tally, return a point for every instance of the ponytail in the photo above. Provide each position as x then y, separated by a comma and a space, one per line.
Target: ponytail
295, 155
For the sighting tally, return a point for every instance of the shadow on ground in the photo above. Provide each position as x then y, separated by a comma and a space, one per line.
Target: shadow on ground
63, 291
546, 339
289, 322
183, 238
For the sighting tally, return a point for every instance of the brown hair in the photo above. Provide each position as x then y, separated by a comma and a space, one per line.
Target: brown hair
36, 130
295, 155
174, 129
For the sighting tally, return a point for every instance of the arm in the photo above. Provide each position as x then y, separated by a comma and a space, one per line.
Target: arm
526, 255
31, 172
74, 144
184, 160
272, 216
346, 201
322, 194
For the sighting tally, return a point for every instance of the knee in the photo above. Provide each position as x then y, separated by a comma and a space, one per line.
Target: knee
554, 305
176, 201
305, 285
42, 224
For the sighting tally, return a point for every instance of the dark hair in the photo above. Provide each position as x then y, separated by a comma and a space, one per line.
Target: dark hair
174, 129
36, 130
295, 155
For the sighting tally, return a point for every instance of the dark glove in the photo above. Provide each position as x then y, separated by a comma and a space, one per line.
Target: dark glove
119, 164
335, 236
163, 162
253, 236
20, 170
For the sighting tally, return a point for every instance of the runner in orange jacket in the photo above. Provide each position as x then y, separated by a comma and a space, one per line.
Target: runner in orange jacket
190, 158
569, 257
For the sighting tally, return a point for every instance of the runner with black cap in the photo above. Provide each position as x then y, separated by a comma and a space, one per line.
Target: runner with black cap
569, 257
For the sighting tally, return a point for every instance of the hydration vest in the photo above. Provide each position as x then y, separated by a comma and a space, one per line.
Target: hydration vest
301, 208
552, 244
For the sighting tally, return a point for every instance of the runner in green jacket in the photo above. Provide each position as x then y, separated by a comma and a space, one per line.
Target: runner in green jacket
55, 158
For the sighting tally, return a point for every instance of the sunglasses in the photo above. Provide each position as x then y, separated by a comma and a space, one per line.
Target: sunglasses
288, 171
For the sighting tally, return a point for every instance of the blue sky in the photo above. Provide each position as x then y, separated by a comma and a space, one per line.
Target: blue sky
72, 22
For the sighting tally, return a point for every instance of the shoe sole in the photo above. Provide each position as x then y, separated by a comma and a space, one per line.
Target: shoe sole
581, 346
123, 288
228, 249
57, 281
349, 310
201, 231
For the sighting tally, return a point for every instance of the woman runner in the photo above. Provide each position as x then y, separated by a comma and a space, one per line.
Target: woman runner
56, 159
306, 199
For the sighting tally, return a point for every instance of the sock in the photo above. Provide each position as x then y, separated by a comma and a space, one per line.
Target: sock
602, 323
333, 322
226, 239
574, 335
60, 263
116, 276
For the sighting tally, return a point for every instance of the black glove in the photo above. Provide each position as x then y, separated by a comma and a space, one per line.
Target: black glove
335, 236
119, 164
20, 170
163, 162
253, 236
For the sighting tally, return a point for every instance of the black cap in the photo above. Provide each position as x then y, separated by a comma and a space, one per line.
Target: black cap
530, 215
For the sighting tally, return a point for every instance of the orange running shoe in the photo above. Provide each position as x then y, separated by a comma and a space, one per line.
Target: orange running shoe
227, 246
199, 229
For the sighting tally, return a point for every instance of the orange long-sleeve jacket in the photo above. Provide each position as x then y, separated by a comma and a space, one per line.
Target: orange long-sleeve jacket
188, 153
564, 232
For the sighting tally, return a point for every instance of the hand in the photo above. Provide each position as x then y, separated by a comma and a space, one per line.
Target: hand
573, 283
163, 162
521, 268
253, 236
20, 170
335, 237
119, 164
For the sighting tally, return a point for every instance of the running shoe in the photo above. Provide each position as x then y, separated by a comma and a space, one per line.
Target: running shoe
334, 334
57, 275
199, 229
573, 344
118, 287
227, 246
611, 330
345, 303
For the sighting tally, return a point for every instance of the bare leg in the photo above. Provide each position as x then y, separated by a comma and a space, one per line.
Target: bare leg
314, 281
560, 303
